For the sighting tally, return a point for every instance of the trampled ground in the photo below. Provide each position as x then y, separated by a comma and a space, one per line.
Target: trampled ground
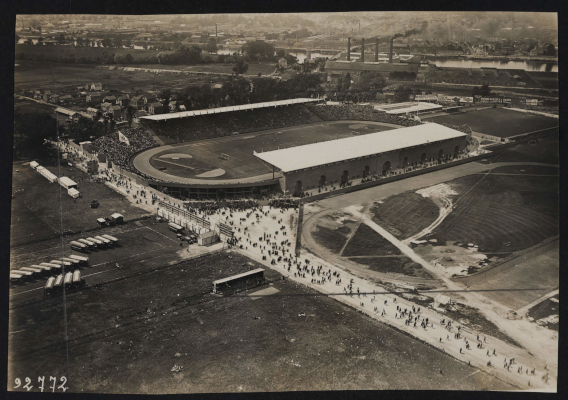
205, 155
404, 215
128, 336
499, 122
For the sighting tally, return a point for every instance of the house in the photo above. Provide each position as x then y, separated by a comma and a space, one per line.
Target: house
38, 95
155, 108
137, 102
123, 101
94, 98
54, 99
92, 112
117, 112
97, 86
109, 99
282, 63
65, 98
148, 99
217, 86
175, 104
47, 95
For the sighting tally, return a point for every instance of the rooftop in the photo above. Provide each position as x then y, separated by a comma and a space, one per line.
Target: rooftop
184, 114
230, 278
316, 154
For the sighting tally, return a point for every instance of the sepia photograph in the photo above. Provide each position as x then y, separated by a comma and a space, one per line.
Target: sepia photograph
285, 202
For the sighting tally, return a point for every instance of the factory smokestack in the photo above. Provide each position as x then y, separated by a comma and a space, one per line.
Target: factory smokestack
391, 45
348, 49
363, 50
376, 49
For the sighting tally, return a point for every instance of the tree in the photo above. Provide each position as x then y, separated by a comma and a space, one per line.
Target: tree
551, 50
212, 46
79, 41
258, 47
129, 112
31, 130
117, 42
370, 81
17, 38
119, 59
166, 94
280, 53
61, 39
106, 42
402, 94
241, 67
128, 59
84, 128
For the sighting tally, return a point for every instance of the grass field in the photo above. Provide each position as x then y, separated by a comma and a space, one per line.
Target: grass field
404, 215
127, 337
522, 280
332, 231
394, 265
526, 170
502, 213
367, 242
40, 211
498, 122
546, 311
242, 162
66, 78
545, 151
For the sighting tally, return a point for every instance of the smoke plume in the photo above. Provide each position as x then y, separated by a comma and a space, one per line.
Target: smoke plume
422, 29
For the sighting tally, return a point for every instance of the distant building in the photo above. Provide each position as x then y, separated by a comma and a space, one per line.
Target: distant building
282, 63
155, 108
94, 98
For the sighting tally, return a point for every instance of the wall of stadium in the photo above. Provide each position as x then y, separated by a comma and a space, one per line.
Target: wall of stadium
333, 173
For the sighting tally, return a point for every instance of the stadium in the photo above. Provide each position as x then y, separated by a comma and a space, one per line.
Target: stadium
232, 151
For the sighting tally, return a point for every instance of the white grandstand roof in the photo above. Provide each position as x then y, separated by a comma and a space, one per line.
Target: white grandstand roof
407, 108
184, 114
316, 154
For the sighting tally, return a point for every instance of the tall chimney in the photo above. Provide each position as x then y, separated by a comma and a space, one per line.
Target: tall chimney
390, 50
376, 49
215, 29
348, 49
363, 50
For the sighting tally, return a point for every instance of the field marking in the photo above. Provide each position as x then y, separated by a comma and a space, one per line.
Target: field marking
526, 308
175, 241
180, 165
17, 256
473, 373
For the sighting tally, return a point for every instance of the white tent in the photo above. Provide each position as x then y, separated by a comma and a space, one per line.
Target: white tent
74, 193
34, 165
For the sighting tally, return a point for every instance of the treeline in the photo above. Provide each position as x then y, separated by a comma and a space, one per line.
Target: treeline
238, 90
183, 55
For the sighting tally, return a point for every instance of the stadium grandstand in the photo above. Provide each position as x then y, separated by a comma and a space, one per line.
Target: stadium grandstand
224, 121
408, 108
338, 161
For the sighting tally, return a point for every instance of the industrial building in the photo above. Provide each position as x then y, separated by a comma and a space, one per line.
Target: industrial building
382, 63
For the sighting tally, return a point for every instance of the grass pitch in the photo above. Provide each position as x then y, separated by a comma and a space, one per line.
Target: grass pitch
499, 122
205, 155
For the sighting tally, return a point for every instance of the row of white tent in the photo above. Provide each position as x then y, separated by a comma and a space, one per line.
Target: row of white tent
64, 181
93, 242
52, 267
70, 280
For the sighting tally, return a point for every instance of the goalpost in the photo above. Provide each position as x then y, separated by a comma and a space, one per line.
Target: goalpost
224, 156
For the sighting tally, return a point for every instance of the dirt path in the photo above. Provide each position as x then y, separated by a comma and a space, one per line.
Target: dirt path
520, 331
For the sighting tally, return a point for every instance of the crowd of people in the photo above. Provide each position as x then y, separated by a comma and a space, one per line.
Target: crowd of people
224, 124
357, 112
119, 152
283, 203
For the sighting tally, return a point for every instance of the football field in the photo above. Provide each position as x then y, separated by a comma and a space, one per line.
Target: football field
233, 157
498, 121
